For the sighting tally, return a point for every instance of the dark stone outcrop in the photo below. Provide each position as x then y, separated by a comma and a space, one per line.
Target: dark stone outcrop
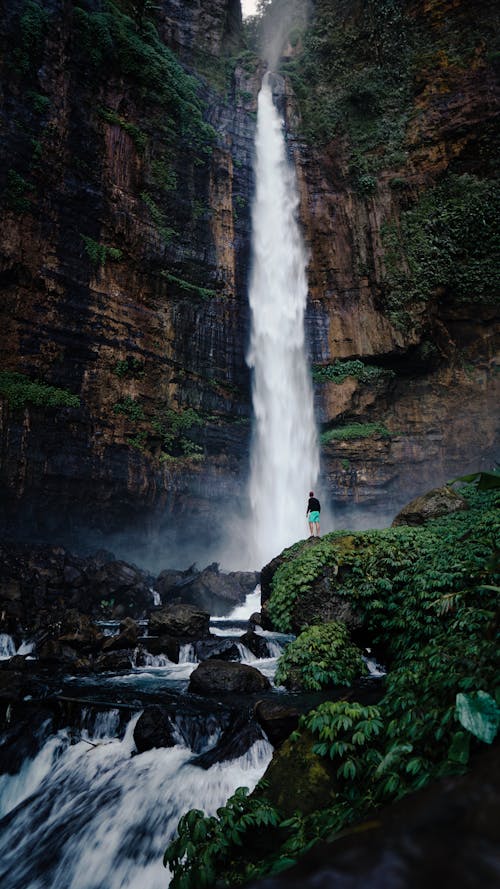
255, 643
217, 647
114, 661
447, 834
278, 720
153, 729
126, 638
182, 621
235, 742
169, 645
208, 589
439, 502
215, 676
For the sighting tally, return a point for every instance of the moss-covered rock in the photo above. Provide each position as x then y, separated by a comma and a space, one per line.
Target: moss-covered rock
313, 778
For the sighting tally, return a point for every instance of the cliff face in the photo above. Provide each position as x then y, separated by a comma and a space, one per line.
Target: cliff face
125, 239
399, 106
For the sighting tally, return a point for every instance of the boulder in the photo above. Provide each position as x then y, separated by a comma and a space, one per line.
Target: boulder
220, 648
255, 643
153, 729
78, 631
209, 589
277, 720
114, 660
235, 742
55, 652
168, 645
184, 621
126, 638
435, 503
216, 676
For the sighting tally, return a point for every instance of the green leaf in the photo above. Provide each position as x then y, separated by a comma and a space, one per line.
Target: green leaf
459, 748
479, 714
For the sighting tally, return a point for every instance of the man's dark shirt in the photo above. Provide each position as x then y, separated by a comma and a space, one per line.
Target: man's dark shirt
313, 505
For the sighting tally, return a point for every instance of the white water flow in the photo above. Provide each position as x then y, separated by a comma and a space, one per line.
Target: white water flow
285, 457
93, 816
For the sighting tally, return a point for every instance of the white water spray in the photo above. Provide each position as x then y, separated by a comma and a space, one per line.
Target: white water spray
285, 459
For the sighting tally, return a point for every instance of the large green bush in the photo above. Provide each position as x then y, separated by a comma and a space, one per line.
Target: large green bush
320, 657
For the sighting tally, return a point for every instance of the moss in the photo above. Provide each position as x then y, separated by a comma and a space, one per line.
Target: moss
313, 778
354, 431
20, 391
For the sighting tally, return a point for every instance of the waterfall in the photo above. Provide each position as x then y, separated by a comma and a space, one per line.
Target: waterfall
7, 646
91, 815
284, 459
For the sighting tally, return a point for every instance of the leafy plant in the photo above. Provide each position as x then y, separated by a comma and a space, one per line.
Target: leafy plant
99, 253
19, 391
354, 431
16, 194
130, 408
320, 657
341, 370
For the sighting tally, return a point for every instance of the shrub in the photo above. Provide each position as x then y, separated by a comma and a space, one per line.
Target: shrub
320, 657
341, 370
19, 391
130, 408
99, 253
354, 431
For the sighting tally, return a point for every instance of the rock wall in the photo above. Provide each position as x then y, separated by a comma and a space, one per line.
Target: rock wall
124, 254
437, 406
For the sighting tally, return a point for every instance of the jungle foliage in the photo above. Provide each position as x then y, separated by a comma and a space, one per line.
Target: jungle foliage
20, 391
340, 370
447, 245
321, 656
429, 595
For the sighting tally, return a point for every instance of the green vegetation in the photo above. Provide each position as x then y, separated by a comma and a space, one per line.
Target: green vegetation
158, 218
99, 253
110, 41
33, 25
19, 391
191, 289
429, 595
172, 427
130, 408
354, 431
40, 103
447, 246
320, 657
129, 367
139, 138
17, 188
341, 370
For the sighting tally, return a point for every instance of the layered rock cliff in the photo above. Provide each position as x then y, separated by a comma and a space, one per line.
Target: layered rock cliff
125, 238
125, 241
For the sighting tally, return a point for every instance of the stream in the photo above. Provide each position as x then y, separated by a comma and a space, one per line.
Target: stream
87, 811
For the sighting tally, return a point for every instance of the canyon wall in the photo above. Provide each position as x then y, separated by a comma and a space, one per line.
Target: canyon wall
125, 240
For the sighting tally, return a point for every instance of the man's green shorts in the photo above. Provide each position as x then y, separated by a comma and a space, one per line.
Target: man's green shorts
314, 515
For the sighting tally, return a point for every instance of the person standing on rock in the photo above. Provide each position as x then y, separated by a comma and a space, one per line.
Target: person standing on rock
312, 512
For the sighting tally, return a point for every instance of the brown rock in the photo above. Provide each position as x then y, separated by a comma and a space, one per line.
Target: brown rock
277, 720
184, 621
214, 677
439, 502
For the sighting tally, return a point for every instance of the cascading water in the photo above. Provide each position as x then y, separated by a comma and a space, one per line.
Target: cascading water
285, 459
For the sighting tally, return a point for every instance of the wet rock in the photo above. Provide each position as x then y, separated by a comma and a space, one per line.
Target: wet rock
78, 631
168, 645
277, 720
222, 649
153, 729
55, 652
114, 660
235, 742
435, 503
126, 638
184, 621
22, 735
12, 685
215, 676
208, 589
447, 834
255, 620
255, 643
